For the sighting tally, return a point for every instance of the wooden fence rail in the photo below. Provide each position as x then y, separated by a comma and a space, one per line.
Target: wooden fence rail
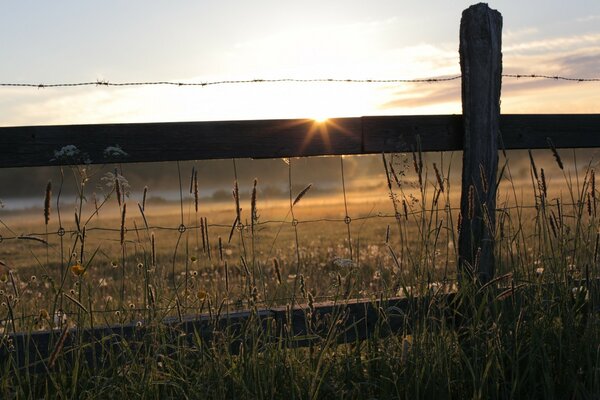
31, 146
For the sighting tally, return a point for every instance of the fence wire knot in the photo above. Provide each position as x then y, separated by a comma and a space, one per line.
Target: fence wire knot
61, 231
295, 222
181, 228
347, 220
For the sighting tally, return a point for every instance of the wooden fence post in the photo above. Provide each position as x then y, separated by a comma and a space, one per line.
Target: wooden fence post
481, 67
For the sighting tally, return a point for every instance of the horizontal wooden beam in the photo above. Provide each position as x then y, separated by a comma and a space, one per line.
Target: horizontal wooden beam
29, 146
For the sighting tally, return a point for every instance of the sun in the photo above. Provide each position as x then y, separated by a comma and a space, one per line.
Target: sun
319, 119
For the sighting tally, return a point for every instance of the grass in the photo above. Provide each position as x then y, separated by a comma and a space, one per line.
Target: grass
533, 333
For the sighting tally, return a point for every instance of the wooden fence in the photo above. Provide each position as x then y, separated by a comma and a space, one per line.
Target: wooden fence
480, 131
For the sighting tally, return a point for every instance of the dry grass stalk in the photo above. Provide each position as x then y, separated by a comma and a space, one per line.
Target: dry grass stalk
59, 346
192, 180
226, 276
387, 172
396, 178
123, 224
207, 237
235, 223
153, 245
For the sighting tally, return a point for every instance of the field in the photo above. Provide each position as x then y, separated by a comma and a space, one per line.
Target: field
533, 332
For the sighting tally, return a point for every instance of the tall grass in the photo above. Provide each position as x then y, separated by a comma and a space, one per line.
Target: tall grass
532, 332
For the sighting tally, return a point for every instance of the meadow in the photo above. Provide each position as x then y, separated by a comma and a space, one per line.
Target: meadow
120, 256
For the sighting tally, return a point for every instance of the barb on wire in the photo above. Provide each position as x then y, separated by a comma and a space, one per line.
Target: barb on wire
107, 83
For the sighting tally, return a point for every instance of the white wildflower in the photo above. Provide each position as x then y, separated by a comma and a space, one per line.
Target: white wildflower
343, 262
114, 152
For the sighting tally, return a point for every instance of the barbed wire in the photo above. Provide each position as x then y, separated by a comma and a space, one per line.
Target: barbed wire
107, 83
379, 215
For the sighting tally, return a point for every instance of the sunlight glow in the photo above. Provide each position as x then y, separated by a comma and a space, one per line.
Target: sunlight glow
320, 119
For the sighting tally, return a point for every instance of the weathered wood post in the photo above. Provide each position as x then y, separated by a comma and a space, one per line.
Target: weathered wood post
481, 66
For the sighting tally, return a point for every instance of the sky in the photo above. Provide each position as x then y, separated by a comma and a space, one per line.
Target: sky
200, 41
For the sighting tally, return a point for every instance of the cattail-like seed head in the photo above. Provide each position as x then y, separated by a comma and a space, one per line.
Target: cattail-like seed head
459, 222
144, 198
236, 198
277, 270
47, 200
302, 286
555, 153
484, 181
593, 184
543, 186
123, 224
196, 191
589, 204
387, 235
405, 208
533, 167
220, 249
253, 212
301, 194
471, 199
117, 187
439, 178
553, 227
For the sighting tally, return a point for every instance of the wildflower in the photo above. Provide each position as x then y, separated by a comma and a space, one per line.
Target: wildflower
44, 314
202, 295
131, 305
140, 265
194, 273
343, 262
114, 264
77, 269
193, 259
33, 278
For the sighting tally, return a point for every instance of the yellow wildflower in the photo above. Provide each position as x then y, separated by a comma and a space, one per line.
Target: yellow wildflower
77, 269
202, 295
44, 314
